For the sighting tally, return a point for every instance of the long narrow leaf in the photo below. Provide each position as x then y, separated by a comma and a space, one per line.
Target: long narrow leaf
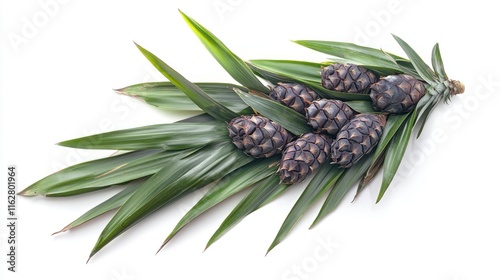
353, 53
346, 181
270, 76
300, 70
423, 69
167, 96
174, 136
425, 112
324, 179
370, 174
395, 153
228, 186
437, 63
262, 193
112, 203
282, 115
391, 127
405, 66
171, 183
362, 106
234, 65
194, 92
101, 173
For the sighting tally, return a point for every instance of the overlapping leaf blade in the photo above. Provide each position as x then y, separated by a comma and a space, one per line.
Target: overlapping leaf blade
395, 153
425, 112
270, 76
102, 173
263, 192
234, 65
194, 92
346, 181
299, 70
171, 183
370, 174
423, 69
226, 187
172, 136
167, 96
324, 179
282, 115
114, 202
362, 106
352, 53
391, 127
405, 66
437, 63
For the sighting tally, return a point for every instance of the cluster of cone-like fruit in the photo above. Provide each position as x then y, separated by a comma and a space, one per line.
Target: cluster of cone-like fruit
338, 134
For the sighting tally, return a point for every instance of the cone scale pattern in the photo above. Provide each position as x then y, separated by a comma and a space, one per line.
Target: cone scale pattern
303, 156
347, 78
257, 136
296, 96
396, 93
356, 139
328, 116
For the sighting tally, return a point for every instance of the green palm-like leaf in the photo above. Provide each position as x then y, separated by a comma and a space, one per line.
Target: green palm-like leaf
353, 53
405, 66
194, 92
229, 185
423, 69
324, 179
391, 127
174, 136
270, 76
300, 70
362, 106
346, 181
370, 174
171, 183
234, 65
395, 153
425, 112
167, 96
102, 173
437, 63
114, 202
264, 192
282, 115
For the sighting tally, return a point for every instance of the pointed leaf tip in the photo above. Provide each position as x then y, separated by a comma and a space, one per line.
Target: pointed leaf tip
395, 153
194, 92
231, 184
342, 186
64, 229
323, 180
234, 65
424, 71
90, 256
161, 247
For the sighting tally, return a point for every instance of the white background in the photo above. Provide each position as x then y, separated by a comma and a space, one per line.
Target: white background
438, 221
